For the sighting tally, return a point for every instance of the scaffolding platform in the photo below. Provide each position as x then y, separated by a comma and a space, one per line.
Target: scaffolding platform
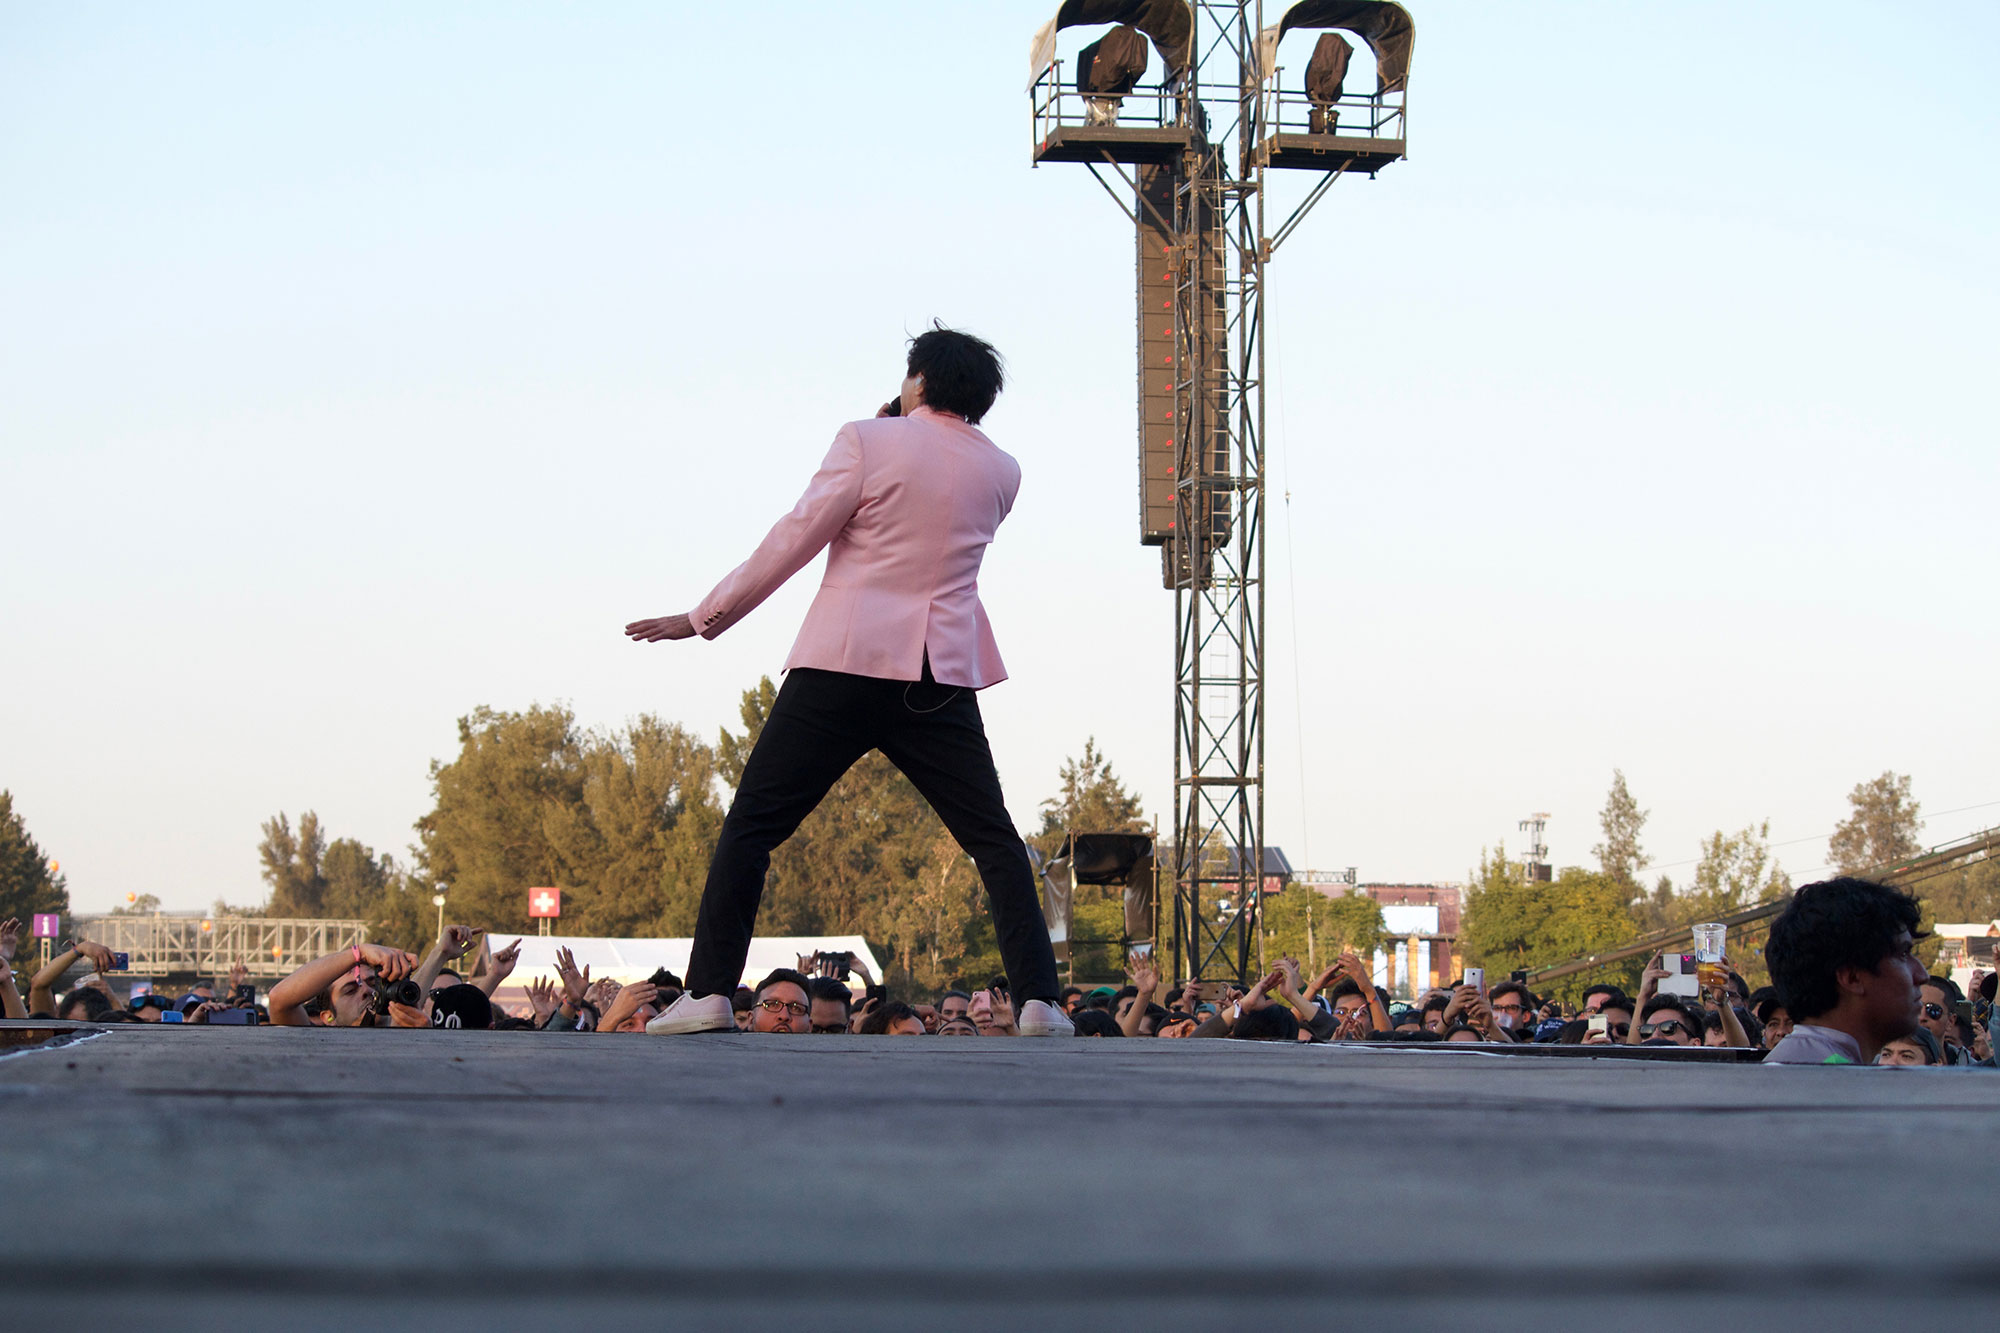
1327, 152
1151, 145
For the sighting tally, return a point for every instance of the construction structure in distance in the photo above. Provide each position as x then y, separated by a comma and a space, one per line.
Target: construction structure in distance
1188, 105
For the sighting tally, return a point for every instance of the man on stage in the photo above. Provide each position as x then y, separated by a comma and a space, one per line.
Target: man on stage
890, 658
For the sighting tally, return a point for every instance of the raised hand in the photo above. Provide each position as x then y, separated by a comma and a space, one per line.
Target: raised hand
389, 964
1003, 1013
200, 1013
574, 983
404, 1016
1146, 977
542, 995
458, 939
1259, 995
10, 938
659, 628
99, 956
501, 966
238, 974
626, 1003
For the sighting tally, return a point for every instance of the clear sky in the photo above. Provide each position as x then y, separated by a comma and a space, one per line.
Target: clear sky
361, 364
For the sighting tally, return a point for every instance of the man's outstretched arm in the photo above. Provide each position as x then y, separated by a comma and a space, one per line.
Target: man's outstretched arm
830, 500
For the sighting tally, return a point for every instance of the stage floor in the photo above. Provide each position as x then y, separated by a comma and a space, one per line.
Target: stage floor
229, 1176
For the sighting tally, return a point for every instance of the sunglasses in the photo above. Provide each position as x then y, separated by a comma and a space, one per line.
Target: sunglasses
1933, 1010
1672, 1027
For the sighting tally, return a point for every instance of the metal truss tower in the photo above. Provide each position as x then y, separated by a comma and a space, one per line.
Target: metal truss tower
1201, 144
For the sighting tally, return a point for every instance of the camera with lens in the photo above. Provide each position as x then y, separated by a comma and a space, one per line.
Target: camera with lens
386, 993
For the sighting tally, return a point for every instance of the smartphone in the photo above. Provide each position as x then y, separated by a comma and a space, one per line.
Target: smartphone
121, 962
1475, 977
1213, 992
1139, 953
1600, 1023
1965, 1010
1680, 979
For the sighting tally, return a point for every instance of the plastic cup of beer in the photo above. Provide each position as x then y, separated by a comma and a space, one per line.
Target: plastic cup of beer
1709, 972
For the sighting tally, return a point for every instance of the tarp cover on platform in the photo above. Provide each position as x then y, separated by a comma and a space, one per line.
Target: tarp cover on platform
1386, 27
1170, 23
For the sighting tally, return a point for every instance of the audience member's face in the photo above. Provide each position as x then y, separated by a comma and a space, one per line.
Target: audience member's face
953, 1007
1511, 1010
1937, 1013
829, 1016
1901, 1053
1464, 1034
780, 1007
957, 1027
1617, 1021
1347, 1005
1670, 1024
350, 997
1714, 1037
907, 1027
1179, 1025
1434, 1020
1409, 1025
745, 1018
1778, 1026
1890, 1000
1594, 1003
146, 1013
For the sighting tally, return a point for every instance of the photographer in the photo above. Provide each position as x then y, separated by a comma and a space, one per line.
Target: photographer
345, 984
76, 1006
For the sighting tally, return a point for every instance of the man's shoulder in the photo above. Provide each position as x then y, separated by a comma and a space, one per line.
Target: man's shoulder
1808, 1044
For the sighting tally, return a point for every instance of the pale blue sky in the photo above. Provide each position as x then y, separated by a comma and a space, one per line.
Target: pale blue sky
362, 364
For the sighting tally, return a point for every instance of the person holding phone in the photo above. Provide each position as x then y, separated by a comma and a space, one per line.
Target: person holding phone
892, 655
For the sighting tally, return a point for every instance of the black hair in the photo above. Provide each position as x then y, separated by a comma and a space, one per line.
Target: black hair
777, 975
1344, 987
1067, 991
513, 1024
666, 980
1952, 994
876, 1024
1602, 988
962, 374
96, 1004
1677, 1003
967, 998
1437, 1003
1574, 1031
743, 1000
1097, 1023
1924, 1037
1274, 1022
1830, 925
1513, 988
826, 988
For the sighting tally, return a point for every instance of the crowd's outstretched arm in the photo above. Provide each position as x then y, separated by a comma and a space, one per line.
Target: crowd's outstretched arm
10, 994
41, 989
289, 998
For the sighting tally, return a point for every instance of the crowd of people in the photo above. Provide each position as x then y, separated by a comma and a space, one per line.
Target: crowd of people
1841, 955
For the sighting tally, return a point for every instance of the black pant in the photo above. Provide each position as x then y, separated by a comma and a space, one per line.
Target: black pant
821, 724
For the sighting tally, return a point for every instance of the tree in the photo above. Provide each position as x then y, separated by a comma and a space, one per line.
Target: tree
1620, 856
29, 883
142, 904
1511, 923
622, 822
292, 866
1305, 924
1090, 798
1882, 828
1735, 871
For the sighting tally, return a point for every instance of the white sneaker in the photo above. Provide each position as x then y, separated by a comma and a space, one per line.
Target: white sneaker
710, 1013
1039, 1018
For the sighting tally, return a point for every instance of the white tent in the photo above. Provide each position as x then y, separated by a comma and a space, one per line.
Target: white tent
626, 961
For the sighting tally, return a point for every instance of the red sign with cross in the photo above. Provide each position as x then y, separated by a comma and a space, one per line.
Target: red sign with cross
544, 902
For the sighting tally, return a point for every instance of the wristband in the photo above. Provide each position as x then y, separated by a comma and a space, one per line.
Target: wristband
357, 955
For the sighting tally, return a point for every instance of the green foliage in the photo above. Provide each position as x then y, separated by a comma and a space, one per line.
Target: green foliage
292, 866
1736, 870
1620, 855
1510, 923
1090, 798
1881, 828
621, 822
28, 884
343, 880
143, 904
1303, 923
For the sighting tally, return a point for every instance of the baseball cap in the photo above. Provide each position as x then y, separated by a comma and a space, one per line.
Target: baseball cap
461, 1006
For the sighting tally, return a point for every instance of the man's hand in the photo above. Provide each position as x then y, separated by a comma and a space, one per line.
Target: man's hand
1146, 977
501, 966
389, 964
659, 628
457, 941
542, 995
99, 956
200, 1013
1003, 1013
1191, 996
1650, 979
238, 974
1259, 993
404, 1016
574, 983
10, 938
626, 1003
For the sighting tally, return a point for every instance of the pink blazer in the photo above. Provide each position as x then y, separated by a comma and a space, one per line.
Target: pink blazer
904, 507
